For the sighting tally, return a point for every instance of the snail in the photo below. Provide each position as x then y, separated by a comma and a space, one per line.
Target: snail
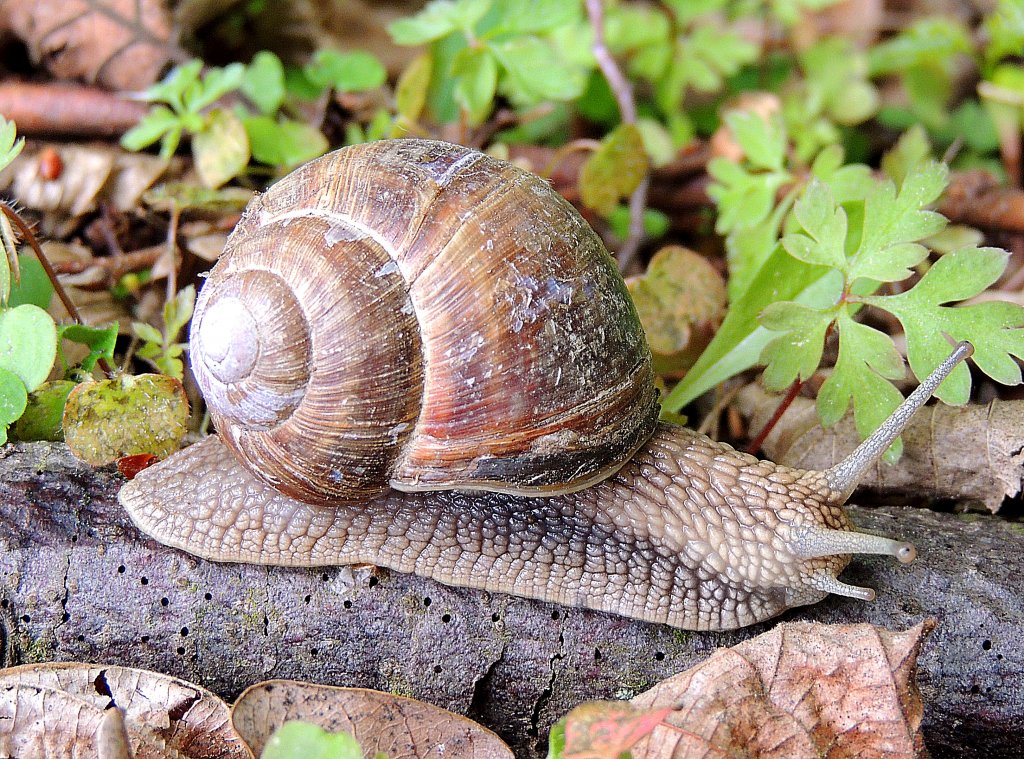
421, 357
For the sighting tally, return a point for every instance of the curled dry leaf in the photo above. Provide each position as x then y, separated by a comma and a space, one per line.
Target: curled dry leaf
59, 710
800, 690
967, 453
117, 44
681, 301
89, 174
400, 727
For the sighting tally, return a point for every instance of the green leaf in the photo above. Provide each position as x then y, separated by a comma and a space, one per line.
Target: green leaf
995, 328
28, 344
614, 170
171, 89
867, 360
284, 143
797, 352
531, 16
891, 221
738, 344
99, 340
177, 311
932, 39
556, 740
43, 416
438, 19
302, 740
535, 71
221, 150
763, 141
217, 83
154, 125
34, 286
357, 71
9, 146
911, 150
263, 82
13, 399
147, 332
656, 223
476, 73
825, 226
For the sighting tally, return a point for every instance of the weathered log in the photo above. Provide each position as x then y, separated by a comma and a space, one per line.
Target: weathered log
79, 582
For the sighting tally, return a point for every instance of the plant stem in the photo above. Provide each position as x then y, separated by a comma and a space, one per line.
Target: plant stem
627, 107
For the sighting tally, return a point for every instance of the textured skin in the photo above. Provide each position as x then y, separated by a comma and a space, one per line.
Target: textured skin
689, 532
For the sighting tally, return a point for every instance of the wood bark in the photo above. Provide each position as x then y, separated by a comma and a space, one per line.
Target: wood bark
79, 582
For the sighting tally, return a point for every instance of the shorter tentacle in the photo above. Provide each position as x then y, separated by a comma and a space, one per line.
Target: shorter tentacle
828, 584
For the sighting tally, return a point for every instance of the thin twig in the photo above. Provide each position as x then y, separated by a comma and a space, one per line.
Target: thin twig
627, 107
26, 232
565, 151
784, 404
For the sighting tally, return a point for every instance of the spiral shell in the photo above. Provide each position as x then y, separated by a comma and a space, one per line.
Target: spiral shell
418, 315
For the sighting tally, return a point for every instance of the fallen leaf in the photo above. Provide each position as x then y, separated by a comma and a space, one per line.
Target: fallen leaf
398, 726
58, 710
124, 416
89, 174
681, 300
800, 690
117, 44
967, 453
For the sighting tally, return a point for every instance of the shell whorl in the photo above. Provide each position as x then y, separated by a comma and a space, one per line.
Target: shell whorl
416, 314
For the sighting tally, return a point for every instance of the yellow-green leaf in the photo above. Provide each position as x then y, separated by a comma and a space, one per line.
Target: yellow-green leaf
614, 170
412, 86
221, 150
680, 291
127, 415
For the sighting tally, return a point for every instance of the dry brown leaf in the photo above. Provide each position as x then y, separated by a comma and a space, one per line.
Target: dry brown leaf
164, 716
403, 728
117, 44
89, 174
968, 453
800, 690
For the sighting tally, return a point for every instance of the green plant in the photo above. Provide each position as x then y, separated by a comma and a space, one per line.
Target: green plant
161, 349
480, 48
184, 101
833, 240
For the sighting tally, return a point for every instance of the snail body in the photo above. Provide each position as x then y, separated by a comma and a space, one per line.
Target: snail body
421, 357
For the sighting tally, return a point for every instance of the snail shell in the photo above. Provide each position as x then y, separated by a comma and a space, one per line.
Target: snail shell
418, 315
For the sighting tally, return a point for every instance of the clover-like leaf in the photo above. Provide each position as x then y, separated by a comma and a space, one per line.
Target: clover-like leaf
28, 344
13, 398
221, 150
